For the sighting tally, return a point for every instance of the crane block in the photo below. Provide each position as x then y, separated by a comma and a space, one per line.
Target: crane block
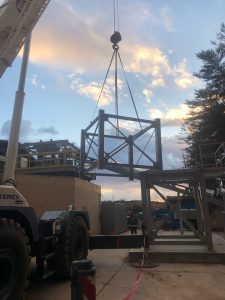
17, 20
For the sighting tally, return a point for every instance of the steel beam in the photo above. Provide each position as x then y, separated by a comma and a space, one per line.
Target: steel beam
158, 144
205, 210
101, 140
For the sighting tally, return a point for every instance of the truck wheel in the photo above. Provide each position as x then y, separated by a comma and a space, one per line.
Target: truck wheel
14, 260
74, 247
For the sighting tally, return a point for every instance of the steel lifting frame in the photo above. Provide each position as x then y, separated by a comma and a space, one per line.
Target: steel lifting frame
100, 147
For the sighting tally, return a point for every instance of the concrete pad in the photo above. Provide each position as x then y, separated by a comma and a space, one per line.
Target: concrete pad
115, 277
183, 253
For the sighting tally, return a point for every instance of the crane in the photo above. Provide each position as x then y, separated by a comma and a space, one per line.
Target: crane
17, 20
58, 237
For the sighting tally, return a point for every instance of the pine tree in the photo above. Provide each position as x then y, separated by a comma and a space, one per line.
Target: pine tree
206, 122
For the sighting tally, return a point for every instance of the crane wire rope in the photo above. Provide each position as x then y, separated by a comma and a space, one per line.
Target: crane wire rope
132, 98
116, 17
116, 48
144, 148
115, 39
103, 85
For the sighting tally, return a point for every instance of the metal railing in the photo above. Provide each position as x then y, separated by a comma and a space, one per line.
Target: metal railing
206, 159
220, 155
64, 158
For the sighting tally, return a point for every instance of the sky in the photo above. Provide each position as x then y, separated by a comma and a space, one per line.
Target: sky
70, 54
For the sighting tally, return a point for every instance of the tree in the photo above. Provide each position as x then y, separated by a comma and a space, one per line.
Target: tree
206, 121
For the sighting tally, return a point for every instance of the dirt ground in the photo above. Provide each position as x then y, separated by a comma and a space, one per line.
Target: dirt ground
115, 277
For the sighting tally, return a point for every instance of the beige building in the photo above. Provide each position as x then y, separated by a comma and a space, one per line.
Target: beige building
46, 193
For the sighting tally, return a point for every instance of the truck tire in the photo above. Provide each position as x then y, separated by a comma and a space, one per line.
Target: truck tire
73, 247
14, 260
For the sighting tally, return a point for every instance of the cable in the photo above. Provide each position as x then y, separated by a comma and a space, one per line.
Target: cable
130, 90
118, 17
115, 39
145, 148
114, 15
103, 85
116, 88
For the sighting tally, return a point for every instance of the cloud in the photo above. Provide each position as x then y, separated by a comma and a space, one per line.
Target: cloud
157, 82
76, 41
149, 61
69, 41
35, 82
129, 127
148, 94
73, 38
174, 116
93, 89
25, 130
47, 130
161, 17
183, 78
107, 191
167, 19
172, 152
111, 189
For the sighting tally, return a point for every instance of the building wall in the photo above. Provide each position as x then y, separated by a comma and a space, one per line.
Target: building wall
88, 196
56, 192
114, 218
108, 218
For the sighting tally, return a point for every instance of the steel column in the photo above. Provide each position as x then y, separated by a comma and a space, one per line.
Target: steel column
149, 214
144, 201
82, 153
130, 158
198, 210
205, 211
101, 139
158, 144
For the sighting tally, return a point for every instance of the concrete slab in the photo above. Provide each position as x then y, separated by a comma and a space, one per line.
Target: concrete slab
172, 252
115, 277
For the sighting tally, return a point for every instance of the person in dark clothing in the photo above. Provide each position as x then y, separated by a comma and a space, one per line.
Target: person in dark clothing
132, 223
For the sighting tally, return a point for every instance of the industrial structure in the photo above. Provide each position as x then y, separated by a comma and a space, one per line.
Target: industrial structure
60, 235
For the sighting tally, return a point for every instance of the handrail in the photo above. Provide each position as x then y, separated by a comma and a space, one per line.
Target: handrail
66, 157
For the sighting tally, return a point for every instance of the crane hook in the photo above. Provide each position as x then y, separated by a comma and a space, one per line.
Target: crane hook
115, 38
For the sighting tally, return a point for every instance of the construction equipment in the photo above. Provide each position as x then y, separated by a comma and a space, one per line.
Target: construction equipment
59, 237
17, 19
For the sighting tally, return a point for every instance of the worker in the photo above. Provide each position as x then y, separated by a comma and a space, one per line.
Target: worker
132, 223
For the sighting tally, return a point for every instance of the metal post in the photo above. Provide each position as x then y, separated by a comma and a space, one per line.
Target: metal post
198, 210
130, 158
83, 280
149, 215
158, 144
144, 201
101, 139
180, 214
82, 153
12, 149
205, 211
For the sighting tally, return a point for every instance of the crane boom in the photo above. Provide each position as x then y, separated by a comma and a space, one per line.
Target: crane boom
17, 20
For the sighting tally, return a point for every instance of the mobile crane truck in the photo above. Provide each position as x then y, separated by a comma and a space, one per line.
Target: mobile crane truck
58, 237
